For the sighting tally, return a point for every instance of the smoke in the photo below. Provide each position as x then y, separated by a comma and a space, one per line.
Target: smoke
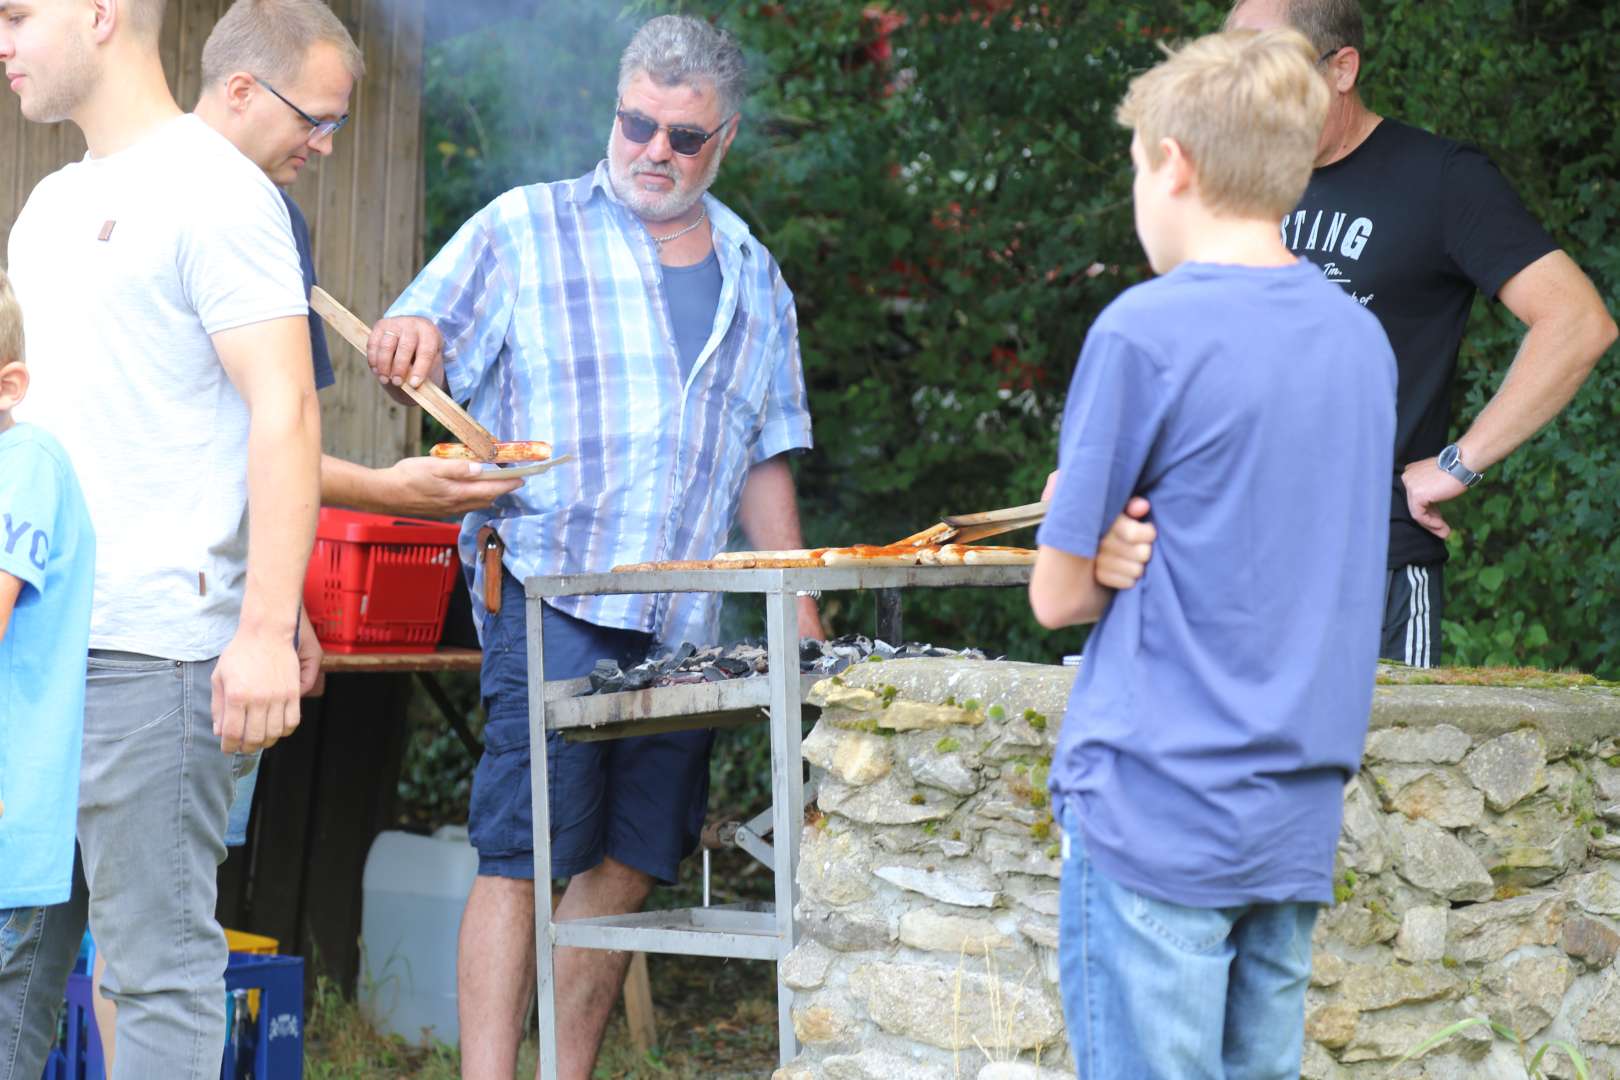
516, 100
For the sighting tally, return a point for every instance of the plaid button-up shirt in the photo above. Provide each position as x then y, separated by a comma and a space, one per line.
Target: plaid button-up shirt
556, 327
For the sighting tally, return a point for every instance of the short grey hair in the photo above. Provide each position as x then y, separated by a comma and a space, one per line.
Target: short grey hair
679, 50
146, 16
1328, 24
270, 39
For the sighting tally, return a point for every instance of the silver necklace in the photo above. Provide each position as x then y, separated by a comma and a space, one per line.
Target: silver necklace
703, 213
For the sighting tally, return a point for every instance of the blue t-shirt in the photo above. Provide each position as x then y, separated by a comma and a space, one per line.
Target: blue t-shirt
47, 543
306, 261
694, 296
1223, 701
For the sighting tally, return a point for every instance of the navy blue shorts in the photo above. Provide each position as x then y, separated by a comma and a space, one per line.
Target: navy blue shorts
641, 800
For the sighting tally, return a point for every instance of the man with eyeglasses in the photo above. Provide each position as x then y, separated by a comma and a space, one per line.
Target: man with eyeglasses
277, 79
632, 320
169, 343
1412, 225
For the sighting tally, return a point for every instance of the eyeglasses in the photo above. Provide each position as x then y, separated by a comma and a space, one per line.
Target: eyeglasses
1331, 53
318, 129
685, 141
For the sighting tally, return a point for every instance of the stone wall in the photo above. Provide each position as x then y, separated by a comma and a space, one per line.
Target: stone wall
1477, 876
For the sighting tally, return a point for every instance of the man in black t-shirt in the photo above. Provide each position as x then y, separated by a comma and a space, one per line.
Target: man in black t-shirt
1412, 225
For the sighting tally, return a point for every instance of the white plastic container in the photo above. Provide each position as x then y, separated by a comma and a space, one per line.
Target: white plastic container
413, 891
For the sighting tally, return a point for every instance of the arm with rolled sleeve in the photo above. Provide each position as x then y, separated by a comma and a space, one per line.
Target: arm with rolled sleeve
786, 417
451, 322
768, 509
1115, 409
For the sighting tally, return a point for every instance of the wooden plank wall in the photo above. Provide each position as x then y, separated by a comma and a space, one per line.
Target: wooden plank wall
363, 202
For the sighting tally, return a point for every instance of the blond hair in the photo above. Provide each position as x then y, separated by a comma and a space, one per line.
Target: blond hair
11, 323
1246, 108
270, 39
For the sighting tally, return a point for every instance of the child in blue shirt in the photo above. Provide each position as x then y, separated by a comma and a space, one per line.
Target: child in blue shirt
1223, 700
47, 571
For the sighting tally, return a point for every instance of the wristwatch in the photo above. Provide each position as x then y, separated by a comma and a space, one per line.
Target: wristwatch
1450, 461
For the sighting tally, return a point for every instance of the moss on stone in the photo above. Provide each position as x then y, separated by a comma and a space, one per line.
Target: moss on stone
947, 744
1512, 677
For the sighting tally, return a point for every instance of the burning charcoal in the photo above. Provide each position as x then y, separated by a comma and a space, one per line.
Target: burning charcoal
733, 667
682, 678
678, 657
606, 678
713, 673
640, 677
810, 650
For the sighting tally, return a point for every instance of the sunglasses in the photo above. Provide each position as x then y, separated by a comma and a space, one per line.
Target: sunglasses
318, 129
685, 141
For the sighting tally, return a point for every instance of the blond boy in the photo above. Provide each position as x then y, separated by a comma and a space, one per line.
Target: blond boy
1223, 701
47, 569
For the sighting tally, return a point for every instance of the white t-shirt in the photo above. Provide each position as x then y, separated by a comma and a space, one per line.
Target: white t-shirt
124, 266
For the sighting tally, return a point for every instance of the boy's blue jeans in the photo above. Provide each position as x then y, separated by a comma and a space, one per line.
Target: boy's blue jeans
1156, 990
15, 924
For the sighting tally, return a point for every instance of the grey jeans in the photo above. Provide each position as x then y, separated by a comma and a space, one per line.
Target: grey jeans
154, 792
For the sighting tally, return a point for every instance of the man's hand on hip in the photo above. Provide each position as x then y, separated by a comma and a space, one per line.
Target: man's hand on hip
434, 487
1426, 487
256, 684
406, 348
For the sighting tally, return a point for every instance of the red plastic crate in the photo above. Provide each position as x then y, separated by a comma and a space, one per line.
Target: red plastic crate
378, 583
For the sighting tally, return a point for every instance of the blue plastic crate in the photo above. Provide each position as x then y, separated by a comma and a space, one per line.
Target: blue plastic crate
267, 1046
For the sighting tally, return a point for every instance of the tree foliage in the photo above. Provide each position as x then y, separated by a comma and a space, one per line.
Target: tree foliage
948, 194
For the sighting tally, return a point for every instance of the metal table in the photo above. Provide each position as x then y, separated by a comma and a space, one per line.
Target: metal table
758, 931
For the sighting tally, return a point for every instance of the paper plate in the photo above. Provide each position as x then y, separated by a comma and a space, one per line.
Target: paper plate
534, 468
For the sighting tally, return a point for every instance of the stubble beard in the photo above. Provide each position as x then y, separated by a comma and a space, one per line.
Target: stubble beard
71, 81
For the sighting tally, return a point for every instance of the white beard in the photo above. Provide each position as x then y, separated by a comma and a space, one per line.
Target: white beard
673, 204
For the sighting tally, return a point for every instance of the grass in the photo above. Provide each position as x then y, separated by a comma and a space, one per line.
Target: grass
1532, 1062
716, 1021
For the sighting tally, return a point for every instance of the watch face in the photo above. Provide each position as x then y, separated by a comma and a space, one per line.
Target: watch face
1448, 457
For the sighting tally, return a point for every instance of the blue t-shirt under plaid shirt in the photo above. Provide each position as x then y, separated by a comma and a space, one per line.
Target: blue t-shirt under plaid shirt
552, 305
1223, 701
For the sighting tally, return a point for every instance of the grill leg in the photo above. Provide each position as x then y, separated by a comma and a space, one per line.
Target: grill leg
888, 616
787, 791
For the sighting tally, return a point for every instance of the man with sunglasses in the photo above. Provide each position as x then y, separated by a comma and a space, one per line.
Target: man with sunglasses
169, 343
631, 319
1412, 225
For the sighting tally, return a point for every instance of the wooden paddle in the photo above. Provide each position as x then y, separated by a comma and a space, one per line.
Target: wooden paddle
434, 401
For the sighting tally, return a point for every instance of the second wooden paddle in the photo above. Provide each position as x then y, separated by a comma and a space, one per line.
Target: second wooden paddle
966, 528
